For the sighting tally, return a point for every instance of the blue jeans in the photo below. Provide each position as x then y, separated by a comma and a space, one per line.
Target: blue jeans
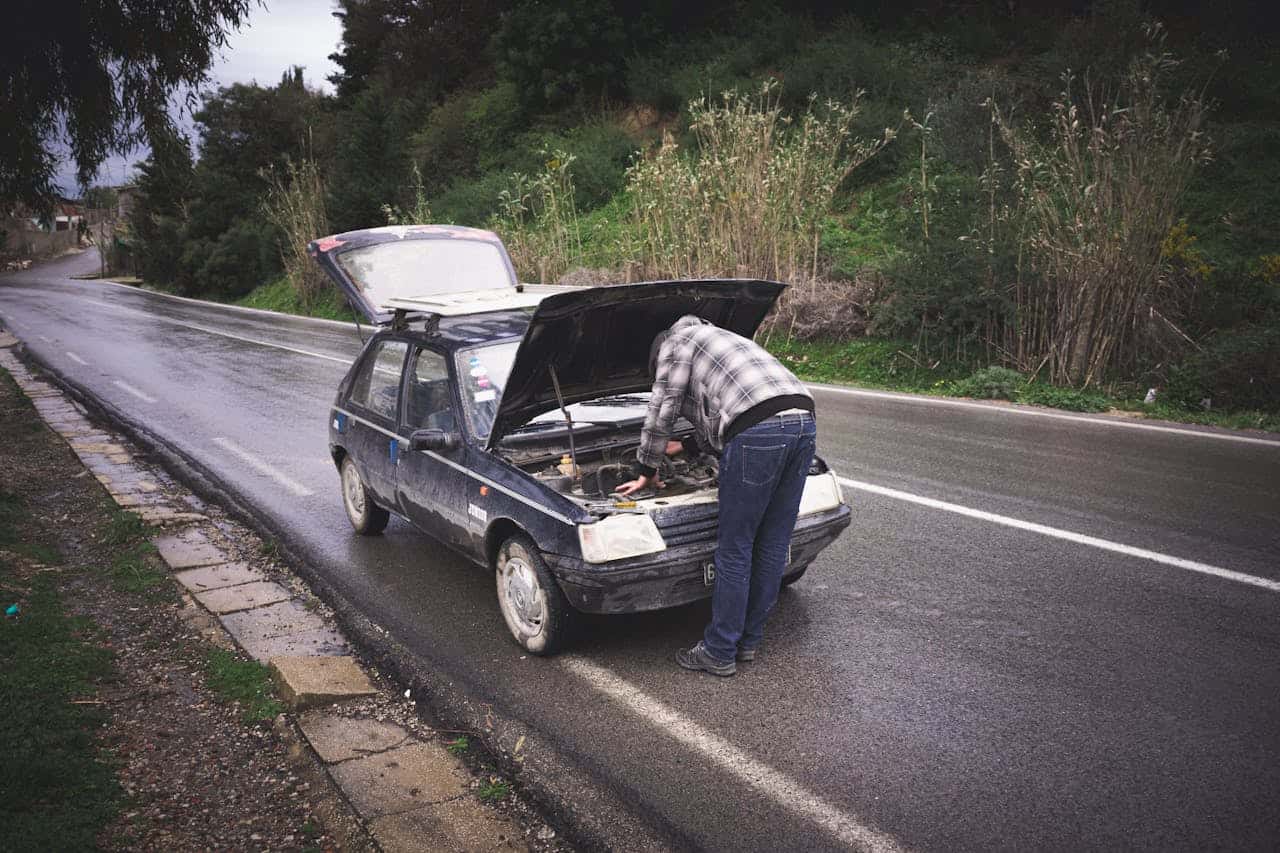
762, 476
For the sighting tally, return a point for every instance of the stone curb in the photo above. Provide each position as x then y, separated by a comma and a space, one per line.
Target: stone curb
412, 794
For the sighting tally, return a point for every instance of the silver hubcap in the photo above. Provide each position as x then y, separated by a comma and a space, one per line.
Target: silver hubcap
523, 596
352, 491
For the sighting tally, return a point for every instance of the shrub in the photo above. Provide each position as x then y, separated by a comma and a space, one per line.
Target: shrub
1071, 399
1239, 369
992, 383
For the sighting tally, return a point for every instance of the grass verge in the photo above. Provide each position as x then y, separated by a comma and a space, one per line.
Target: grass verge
280, 296
892, 366
57, 787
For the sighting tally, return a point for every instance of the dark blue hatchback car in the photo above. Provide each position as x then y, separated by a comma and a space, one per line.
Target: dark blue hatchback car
499, 418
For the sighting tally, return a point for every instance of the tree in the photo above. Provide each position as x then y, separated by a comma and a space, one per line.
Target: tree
200, 225
422, 48
372, 157
96, 79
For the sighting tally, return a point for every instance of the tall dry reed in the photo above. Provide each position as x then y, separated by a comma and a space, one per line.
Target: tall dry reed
1095, 205
295, 204
749, 199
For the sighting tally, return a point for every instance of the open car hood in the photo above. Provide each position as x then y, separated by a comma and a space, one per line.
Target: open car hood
438, 269
597, 339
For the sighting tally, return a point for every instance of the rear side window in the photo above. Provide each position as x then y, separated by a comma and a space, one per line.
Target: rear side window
377, 388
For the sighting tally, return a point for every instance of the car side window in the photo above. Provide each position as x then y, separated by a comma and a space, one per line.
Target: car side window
377, 388
430, 397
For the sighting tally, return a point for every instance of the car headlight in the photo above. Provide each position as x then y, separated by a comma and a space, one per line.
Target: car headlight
821, 493
618, 537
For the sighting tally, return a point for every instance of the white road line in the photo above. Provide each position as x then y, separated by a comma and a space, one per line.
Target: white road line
134, 391
77, 359
262, 467
1040, 413
207, 330
47, 340
1069, 536
280, 315
782, 789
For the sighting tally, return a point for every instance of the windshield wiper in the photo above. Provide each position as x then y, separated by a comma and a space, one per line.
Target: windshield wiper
534, 426
616, 399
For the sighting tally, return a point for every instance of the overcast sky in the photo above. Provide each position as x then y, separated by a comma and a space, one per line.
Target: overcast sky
278, 34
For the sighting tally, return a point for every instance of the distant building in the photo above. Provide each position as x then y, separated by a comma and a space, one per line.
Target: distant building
67, 214
126, 200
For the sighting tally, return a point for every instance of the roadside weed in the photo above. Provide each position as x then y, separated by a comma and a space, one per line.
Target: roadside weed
493, 790
458, 746
247, 683
124, 528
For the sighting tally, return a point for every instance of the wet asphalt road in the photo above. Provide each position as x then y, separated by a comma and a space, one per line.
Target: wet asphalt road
936, 681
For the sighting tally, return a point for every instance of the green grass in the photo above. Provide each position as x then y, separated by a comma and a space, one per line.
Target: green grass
16, 539
868, 362
279, 296
894, 366
57, 788
245, 682
493, 791
133, 567
458, 746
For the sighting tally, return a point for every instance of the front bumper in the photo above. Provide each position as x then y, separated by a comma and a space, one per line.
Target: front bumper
675, 576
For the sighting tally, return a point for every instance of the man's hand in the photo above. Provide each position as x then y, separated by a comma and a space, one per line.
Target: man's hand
674, 447
639, 483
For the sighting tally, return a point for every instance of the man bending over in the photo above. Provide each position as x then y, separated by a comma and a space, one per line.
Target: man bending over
758, 417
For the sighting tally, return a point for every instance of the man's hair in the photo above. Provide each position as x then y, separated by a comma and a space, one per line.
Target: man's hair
658, 340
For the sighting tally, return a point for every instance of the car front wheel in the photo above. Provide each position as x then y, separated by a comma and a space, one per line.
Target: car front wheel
366, 517
533, 606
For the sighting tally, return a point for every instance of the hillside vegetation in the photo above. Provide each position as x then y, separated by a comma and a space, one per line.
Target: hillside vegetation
1085, 200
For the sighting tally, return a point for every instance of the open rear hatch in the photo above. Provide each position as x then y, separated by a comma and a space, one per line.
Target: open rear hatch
429, 269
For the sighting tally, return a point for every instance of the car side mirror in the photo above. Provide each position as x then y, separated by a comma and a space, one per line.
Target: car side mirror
432, 439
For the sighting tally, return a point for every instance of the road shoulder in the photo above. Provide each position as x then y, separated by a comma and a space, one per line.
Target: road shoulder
350, 761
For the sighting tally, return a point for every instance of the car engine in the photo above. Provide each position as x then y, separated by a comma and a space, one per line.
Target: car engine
600, 477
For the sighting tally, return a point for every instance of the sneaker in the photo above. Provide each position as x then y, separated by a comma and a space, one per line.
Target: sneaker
697, 658
746, 655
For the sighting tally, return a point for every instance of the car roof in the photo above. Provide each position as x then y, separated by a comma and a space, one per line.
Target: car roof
469, 329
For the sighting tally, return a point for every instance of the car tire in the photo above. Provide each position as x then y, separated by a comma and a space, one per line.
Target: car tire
366, 517
790, 579
538, 615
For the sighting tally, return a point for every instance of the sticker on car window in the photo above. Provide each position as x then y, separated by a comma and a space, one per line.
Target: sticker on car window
486, 395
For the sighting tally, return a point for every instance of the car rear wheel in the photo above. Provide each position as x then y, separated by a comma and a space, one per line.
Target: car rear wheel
366, 517
538, 615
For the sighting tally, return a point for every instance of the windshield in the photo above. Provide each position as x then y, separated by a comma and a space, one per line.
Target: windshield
483, 373
411, 268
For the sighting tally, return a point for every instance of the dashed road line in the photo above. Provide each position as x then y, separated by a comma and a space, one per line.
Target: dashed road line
774, 784
262, 467
147, 398
1067, 535
77, 359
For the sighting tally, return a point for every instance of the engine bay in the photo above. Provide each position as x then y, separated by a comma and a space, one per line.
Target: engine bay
600, 473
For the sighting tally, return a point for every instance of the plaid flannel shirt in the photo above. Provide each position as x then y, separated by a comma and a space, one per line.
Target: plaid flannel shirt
709, 375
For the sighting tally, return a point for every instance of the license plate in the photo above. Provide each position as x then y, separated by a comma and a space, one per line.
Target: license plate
708, 574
